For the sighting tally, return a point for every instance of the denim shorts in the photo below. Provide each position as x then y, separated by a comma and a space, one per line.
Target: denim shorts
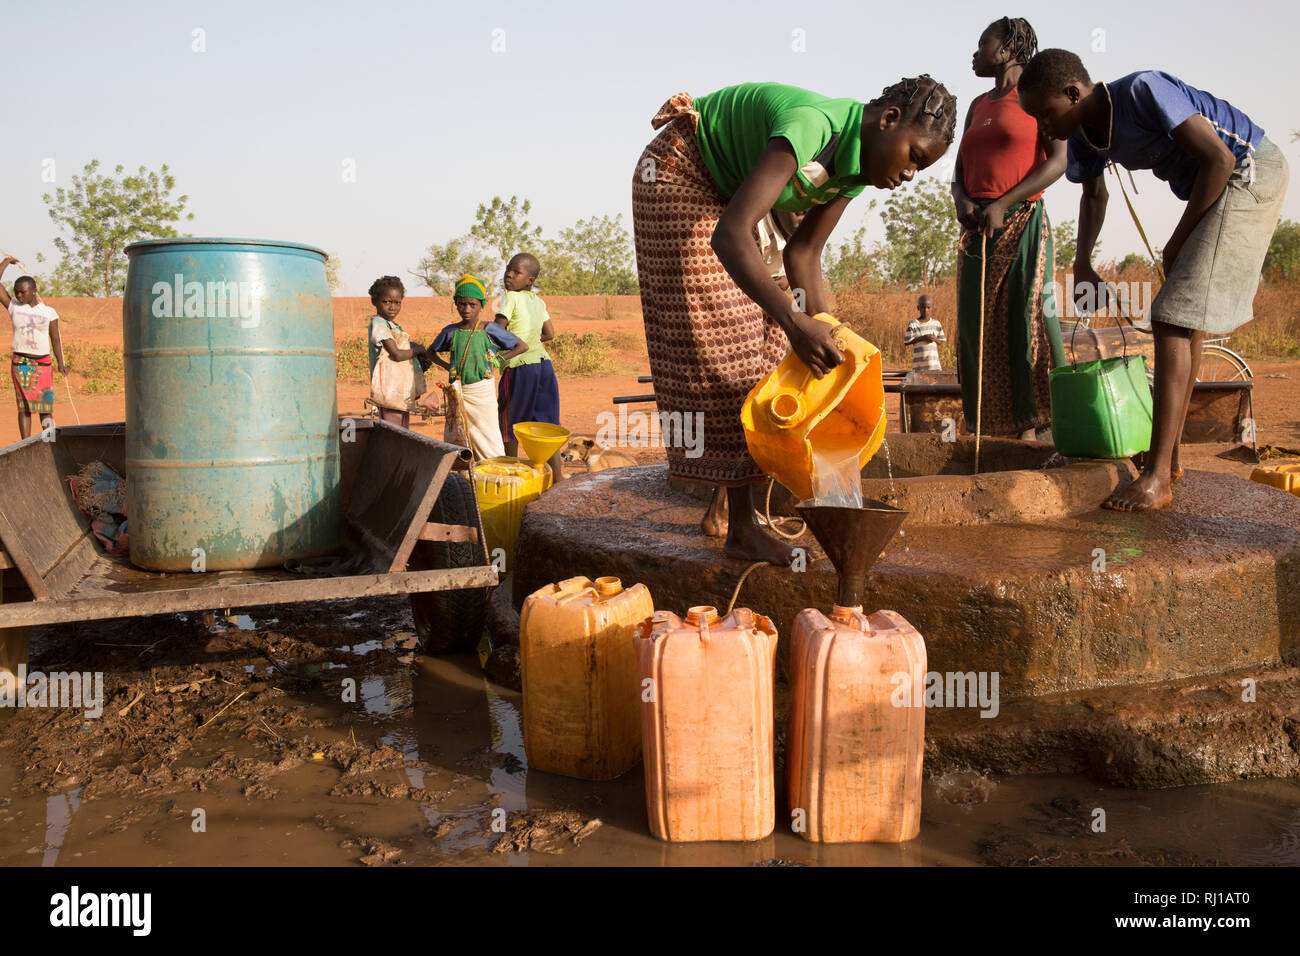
1211, 287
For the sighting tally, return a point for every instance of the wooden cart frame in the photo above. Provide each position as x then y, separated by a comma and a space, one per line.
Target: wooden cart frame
52, 569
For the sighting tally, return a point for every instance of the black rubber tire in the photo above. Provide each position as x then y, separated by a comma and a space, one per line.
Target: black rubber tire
450, 621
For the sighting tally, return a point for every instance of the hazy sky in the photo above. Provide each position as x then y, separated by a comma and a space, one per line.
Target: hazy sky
261, 127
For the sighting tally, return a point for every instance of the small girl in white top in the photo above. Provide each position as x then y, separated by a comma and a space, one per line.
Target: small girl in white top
36, 336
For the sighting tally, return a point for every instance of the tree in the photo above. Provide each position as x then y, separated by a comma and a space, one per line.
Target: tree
332, 272
921, 231
103, 214
850, 262
443, 264
1133, 259
592, 257
504, 228
1066, 236
1282, 261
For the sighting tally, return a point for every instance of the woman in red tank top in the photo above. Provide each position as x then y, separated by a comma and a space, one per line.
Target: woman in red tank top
1003, 166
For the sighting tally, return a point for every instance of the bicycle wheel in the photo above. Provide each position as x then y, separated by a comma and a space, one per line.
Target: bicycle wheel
1221, 364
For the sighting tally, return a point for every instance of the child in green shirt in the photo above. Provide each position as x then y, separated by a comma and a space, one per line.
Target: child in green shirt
474, 347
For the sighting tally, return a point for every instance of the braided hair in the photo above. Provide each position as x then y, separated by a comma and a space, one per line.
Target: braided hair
1018, 38
383, 283
923, 101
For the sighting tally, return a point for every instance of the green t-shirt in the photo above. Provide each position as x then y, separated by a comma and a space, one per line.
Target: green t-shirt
525, 314
737, 123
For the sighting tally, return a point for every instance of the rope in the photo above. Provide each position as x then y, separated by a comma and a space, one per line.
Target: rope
979, 375
736, 593
1160, 272
767, 513
70, 401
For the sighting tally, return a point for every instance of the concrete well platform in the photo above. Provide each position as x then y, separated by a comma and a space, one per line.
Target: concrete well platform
1002, 572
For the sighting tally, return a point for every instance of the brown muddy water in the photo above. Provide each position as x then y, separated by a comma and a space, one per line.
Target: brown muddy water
225, 739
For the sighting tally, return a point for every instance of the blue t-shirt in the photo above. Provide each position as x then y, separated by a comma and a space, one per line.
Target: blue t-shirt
1147, 107
475, 366
504, 339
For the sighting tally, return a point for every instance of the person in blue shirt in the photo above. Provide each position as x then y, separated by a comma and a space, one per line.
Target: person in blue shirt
474, 346
1231, 176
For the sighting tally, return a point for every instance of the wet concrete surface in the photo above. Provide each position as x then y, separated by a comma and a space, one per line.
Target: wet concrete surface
1086, 600
241, 719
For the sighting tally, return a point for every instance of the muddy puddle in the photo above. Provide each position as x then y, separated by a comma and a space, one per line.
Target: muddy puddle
317, 735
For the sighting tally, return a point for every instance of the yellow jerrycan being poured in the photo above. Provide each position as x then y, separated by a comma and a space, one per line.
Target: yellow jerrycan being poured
814, 434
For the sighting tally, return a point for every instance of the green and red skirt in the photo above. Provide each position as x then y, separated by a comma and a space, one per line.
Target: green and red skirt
33, 378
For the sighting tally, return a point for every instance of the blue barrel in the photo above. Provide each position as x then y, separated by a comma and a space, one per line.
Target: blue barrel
232, 440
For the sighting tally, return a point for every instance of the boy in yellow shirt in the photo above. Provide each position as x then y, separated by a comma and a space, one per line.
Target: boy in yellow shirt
529, 390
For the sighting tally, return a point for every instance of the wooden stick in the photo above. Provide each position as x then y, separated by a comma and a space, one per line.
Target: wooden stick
222, 710
138, 697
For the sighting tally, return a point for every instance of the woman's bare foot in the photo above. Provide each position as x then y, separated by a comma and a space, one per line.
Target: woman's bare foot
1027, 435
1147, 493
749, 542
714, 522
746, 539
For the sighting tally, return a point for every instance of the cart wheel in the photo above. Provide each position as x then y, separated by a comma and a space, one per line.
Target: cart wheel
448, 621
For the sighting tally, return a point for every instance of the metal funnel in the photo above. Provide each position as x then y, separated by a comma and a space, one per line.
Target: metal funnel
853, 539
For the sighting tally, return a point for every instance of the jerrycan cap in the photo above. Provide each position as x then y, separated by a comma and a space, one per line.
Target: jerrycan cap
608, 587
702, 614
786, 409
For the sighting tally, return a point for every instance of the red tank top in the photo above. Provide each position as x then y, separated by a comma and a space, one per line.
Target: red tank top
1000, 147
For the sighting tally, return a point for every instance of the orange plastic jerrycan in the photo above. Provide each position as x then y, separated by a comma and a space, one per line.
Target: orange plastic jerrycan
792, 418
581, 712
856, 734
504, 487
706, 724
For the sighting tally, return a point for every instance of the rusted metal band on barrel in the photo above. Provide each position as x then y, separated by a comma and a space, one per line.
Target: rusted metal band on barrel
136, 353
231, 463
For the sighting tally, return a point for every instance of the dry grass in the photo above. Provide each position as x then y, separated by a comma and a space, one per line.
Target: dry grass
625, 341
101, 367
580, 356
352, 355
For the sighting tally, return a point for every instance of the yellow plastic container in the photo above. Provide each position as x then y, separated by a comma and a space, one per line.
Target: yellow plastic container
855, 741
581, 707
504, 486
1286, 477
707, 724
791, 415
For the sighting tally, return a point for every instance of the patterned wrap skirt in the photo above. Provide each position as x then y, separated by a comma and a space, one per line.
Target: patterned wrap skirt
33, 383
1022, 336
709, 343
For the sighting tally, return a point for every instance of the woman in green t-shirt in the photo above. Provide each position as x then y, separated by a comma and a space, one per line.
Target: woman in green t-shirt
716, 321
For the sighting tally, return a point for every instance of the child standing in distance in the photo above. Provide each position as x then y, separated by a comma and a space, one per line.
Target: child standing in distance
529, 390
36, 346
1232, 178
474, 346
386, 294
923, 334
